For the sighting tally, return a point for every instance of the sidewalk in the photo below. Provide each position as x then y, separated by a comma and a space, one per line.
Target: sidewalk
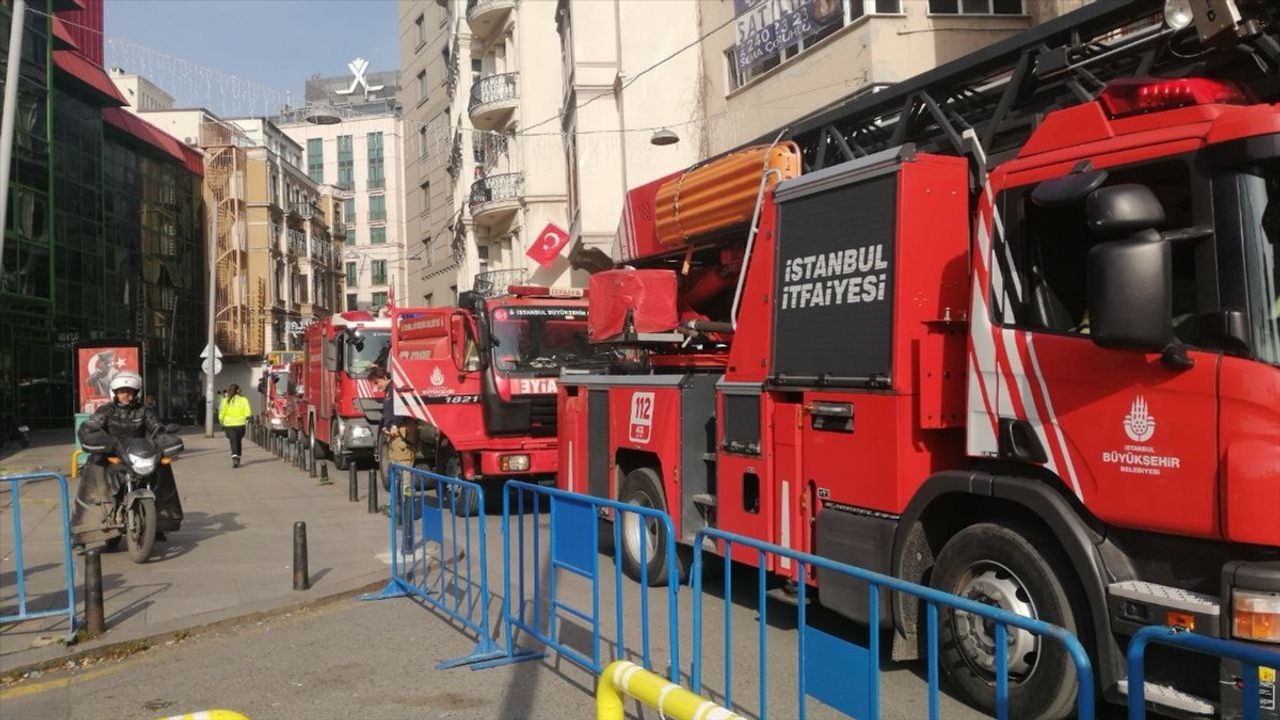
232, 557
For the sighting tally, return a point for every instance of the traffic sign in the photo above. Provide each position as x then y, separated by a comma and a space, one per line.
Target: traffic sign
217, 365
216, 352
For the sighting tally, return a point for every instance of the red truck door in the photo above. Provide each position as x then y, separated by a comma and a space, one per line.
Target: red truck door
1132, 436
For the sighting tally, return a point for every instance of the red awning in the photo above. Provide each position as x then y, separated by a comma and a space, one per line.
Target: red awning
63, 35
191, 159
92, 76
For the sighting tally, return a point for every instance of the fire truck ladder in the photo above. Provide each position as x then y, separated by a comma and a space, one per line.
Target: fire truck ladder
1002, 92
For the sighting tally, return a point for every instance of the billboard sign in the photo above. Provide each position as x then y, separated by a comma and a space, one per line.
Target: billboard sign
763, 28
96, 366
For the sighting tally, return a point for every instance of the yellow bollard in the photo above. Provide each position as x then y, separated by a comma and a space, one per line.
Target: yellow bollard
75, 462
670, 700
217, 714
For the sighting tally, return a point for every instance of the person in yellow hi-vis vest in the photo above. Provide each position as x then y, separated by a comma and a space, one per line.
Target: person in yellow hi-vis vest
233, 414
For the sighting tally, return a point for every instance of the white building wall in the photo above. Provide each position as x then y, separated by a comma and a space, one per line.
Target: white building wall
360, 227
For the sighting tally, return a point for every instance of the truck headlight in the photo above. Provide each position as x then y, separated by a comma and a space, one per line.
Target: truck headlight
1177, 13
359, 431
1255, 615
513, 463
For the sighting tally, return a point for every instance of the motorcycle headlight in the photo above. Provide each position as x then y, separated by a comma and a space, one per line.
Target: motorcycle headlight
142, 465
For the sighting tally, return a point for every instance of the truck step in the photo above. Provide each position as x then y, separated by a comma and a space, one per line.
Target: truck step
1164, 596
789, 596
1167, 699
704, 499
709, 457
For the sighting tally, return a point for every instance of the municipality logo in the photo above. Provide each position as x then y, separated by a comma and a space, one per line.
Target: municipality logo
437, 377
1139, 424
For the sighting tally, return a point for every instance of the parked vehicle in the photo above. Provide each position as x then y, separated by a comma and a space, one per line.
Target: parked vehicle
982, 330
480, 379
343, 408
273, 390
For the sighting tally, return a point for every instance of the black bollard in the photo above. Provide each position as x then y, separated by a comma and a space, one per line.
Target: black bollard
353, 489
311, 462
373, 489
324, 474
301, 579
95, 618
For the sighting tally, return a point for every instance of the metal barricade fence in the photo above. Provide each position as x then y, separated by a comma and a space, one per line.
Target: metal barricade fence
1252, 659
841, 690
574, 548
64, 512
426, 511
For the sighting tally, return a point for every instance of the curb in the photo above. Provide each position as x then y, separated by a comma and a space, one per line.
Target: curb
102, 647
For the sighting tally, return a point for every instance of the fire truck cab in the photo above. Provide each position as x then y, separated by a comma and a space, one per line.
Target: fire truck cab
481, 380
273, 389
343, 406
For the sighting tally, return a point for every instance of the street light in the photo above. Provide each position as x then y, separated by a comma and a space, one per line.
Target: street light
664, 136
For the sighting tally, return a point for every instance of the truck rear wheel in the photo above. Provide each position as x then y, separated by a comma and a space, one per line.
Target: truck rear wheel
643, 487
1018, 571
339, 453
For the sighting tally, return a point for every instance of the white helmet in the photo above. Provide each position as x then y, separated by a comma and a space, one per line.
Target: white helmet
126, 379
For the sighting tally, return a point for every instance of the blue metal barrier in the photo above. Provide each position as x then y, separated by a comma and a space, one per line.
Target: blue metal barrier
419, 520
64, 507
574, 547
1250, 657
843, 685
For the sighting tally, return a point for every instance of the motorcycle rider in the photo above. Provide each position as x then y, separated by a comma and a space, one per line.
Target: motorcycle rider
121, 419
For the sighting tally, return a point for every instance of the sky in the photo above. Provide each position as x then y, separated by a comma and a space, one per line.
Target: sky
235, 52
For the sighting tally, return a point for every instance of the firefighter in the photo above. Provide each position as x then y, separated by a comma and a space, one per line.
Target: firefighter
233, 414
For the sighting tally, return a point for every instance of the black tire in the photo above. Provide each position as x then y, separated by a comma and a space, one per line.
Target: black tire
317, 449
1017, 569
464, 504
643, 486
140, 529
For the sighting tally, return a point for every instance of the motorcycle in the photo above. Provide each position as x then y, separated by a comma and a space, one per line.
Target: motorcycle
133, 473
11, 431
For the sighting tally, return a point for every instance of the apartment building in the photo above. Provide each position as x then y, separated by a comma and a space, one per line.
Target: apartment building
481, 77
760, 73
141, 93
362, 156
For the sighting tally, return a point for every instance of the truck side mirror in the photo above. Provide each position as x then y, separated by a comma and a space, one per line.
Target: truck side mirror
1130, 293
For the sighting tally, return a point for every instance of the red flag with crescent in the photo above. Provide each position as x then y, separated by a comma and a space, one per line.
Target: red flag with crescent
547, 246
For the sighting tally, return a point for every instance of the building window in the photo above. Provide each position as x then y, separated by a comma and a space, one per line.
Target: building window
378, 236
975, 7
377, 208
352, 301
377, 177
379, 272
379, 300
425, 190
346, 163
351, 275
349, 218
315, 159
422, 141
419, 32
422, 87
482, 257
779, 41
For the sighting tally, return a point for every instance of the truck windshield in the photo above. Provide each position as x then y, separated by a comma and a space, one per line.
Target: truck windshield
537, 338
1260, 211
282, 381
362, 353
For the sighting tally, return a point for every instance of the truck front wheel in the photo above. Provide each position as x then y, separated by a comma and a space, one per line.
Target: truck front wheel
643, 487
1018, 571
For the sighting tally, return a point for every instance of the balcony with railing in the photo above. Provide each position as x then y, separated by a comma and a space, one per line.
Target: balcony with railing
305, 210
296, 243
493, 100
486, 16
496, 197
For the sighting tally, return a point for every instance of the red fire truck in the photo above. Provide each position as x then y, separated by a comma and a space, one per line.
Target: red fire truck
343, 407
295, 399
999, 329
273, 394
481, 379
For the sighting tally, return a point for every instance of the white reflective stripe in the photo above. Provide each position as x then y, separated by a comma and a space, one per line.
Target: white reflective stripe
982, 375
401, 378
703, 709
662, 697
1053, 419
719, 713
783, 560
569, 483
1028, 399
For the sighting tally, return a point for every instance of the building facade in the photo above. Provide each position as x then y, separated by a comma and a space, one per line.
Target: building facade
141, 93
83, 258
754, 84
362, 157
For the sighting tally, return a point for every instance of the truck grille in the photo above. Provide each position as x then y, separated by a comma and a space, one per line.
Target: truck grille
542, 415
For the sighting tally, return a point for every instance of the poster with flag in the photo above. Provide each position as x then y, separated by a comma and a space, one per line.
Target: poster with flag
547, 246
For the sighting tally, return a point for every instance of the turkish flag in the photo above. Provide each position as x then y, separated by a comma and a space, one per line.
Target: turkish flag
547, 246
